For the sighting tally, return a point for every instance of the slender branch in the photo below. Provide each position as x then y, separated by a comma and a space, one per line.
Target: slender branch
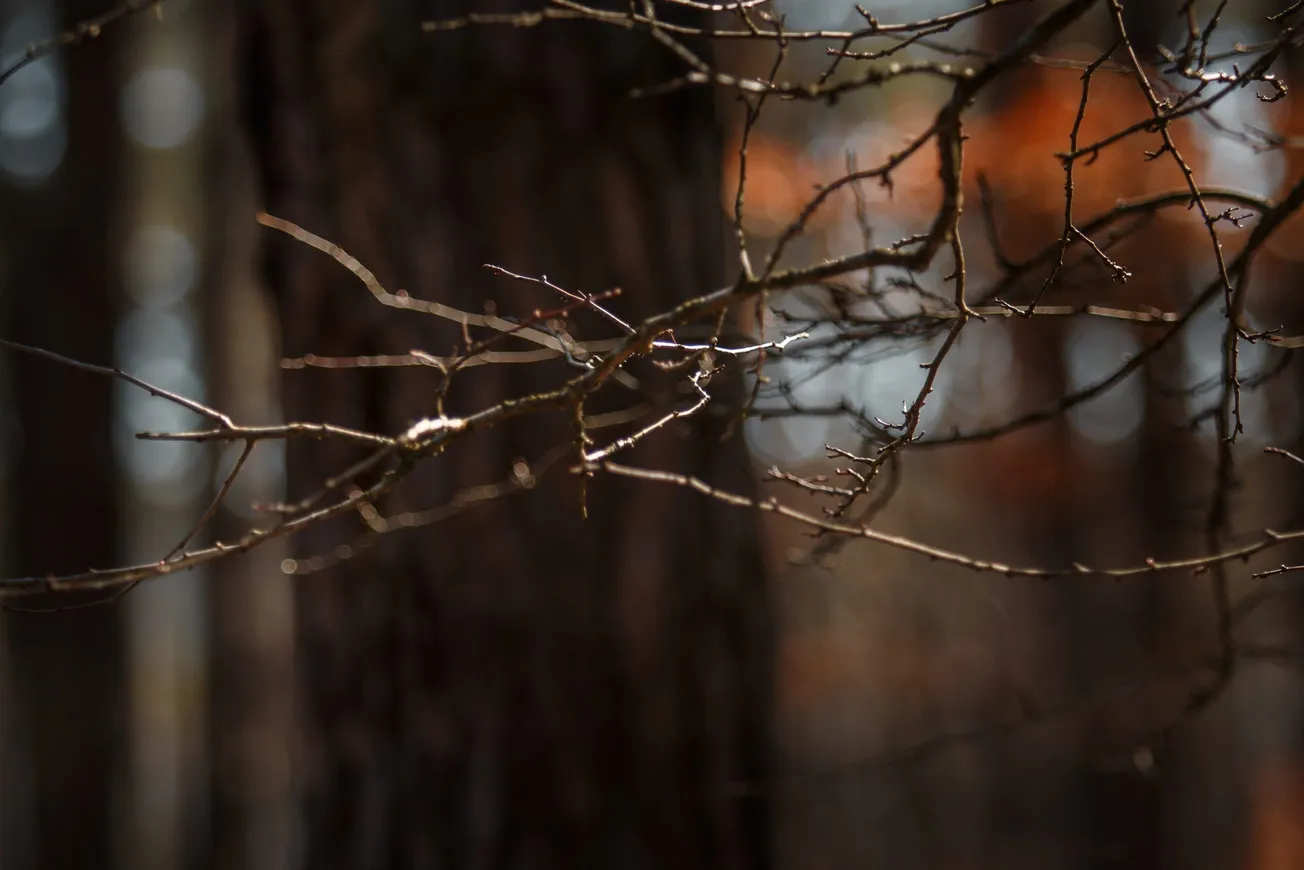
91, 28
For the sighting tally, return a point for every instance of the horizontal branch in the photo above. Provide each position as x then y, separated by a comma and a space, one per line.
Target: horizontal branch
1197, 564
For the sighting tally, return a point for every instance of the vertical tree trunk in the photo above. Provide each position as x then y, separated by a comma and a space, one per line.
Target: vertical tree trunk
250, 609
517, 686
61, 293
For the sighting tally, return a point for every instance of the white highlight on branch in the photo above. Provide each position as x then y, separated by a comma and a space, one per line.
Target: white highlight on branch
733, 351
631, 440
429, 426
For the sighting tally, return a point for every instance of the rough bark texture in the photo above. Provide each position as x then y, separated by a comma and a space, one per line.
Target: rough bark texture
59, 291
515, 687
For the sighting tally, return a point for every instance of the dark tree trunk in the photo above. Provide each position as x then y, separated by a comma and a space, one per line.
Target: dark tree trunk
517, 686
250, 704
61, 293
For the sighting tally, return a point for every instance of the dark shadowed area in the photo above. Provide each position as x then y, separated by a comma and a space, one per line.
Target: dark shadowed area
652, 434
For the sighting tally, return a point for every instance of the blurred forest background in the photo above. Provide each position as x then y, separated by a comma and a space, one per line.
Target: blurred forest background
670, 684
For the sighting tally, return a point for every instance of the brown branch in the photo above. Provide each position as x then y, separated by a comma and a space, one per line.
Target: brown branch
91, 28
189, 404
1268, 539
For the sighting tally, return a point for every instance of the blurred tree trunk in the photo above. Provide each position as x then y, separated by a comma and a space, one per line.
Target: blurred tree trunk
1275, 839
61, 293
517, 686
1072, 802
1111, 628
250, 609
1115, 628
